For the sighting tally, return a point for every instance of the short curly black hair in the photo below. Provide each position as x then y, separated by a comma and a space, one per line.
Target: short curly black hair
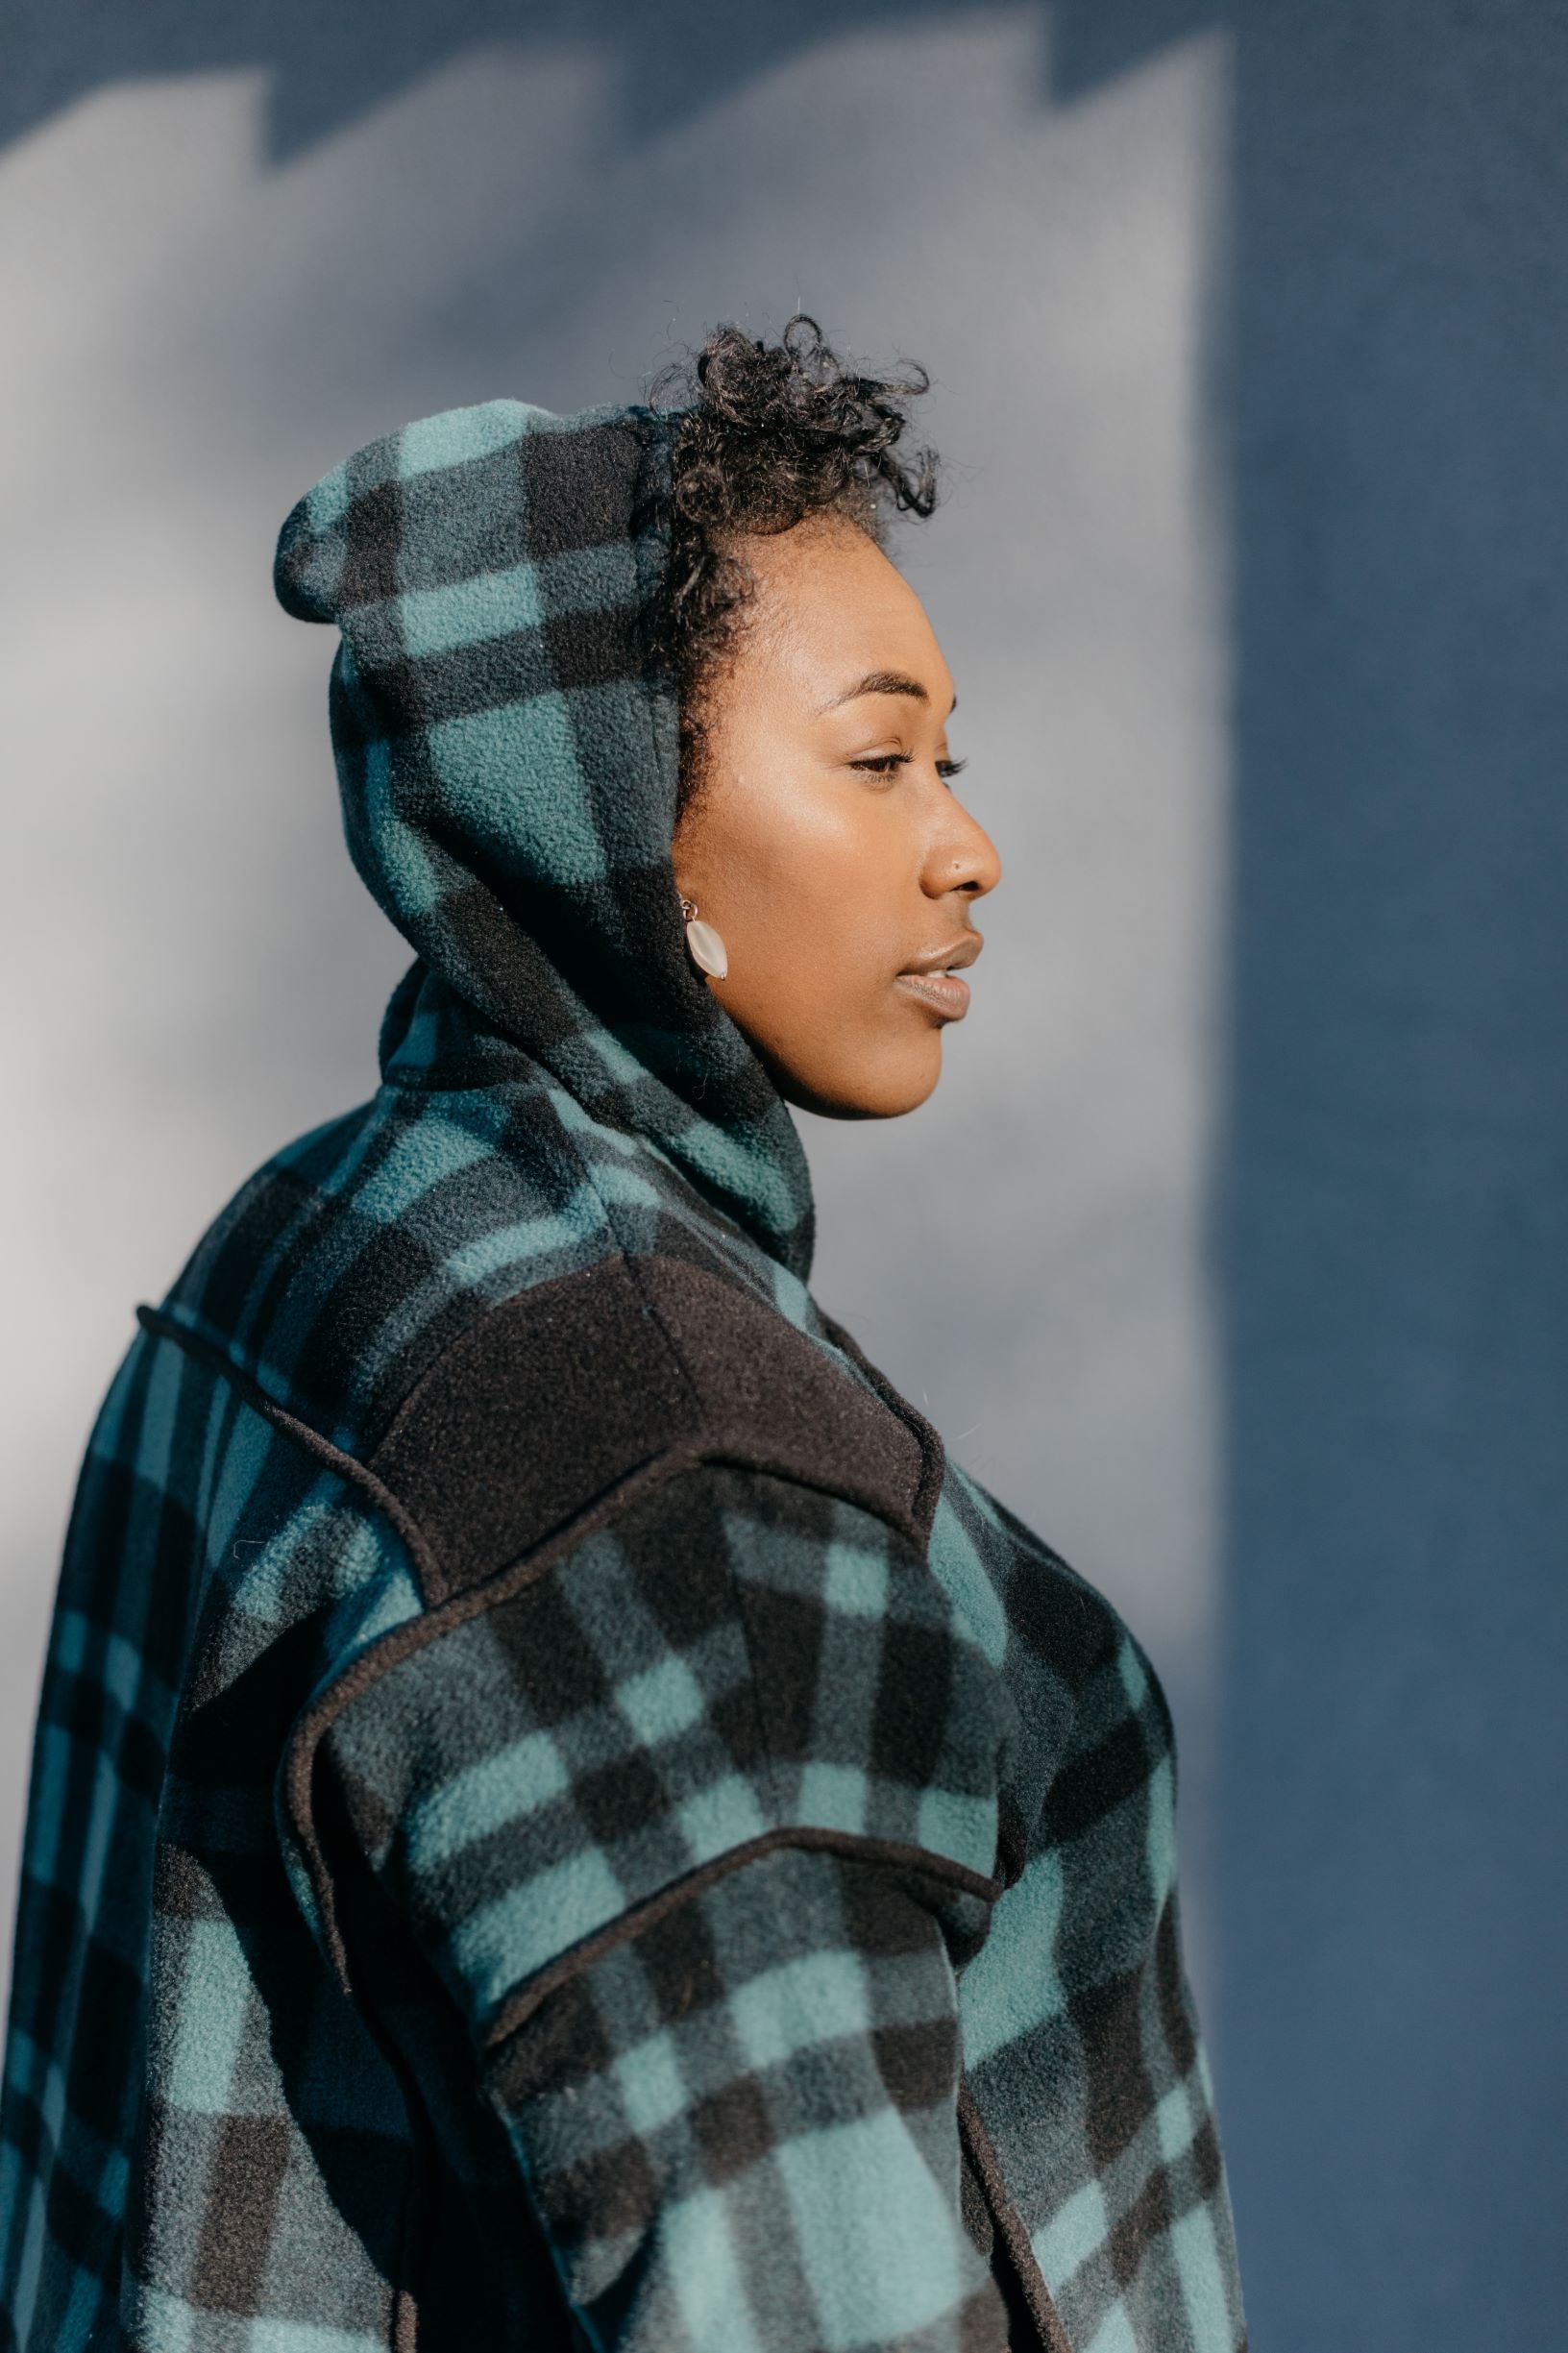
763, 435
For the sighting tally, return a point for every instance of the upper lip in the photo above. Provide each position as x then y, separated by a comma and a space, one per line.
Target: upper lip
961, 951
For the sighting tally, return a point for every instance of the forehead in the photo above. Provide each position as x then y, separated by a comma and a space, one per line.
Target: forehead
827, 598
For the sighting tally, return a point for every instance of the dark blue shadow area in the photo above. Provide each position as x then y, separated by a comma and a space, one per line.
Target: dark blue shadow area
1393, 1227
1390, 1227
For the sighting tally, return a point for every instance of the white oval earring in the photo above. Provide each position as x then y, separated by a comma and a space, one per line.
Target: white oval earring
708, 951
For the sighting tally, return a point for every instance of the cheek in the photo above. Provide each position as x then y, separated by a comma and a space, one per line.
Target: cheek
815, 888
821, 873
822, 928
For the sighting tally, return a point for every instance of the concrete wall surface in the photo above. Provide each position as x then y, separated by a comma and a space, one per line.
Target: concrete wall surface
1231, 1251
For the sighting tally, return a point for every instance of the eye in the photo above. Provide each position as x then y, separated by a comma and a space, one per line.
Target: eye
882, 763
948, 769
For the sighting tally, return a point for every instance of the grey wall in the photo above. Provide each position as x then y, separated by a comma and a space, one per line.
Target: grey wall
1229, 1251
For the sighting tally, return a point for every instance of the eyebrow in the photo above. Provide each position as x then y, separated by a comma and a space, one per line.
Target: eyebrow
884, 682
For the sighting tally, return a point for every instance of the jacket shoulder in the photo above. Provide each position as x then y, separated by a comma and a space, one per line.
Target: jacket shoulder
568, 1395
346, 1266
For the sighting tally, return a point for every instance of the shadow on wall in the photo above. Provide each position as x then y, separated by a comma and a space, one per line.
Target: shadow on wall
1389, 1209
327, 67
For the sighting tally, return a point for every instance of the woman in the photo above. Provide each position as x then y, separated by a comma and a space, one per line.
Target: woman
558, 1818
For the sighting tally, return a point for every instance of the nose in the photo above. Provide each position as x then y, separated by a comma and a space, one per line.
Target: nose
962, 857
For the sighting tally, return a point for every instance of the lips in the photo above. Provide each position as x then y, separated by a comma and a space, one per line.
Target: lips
943, 990
935, 981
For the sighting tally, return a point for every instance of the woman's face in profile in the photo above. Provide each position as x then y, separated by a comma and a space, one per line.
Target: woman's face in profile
825, 844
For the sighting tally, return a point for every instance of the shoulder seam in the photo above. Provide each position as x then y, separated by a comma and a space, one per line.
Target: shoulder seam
519, 2007
347, 1467
707, 1442
399, 1643
353, 1474
297, 1763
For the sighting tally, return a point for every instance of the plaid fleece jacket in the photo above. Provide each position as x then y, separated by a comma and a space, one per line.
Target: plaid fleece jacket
558, 1820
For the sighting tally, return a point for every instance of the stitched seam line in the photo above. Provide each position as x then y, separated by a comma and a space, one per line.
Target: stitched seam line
411, 2220
519, 2007
1010, 2225
439, 1615
296, 1766
347, 1467
401, 1642
305, 1739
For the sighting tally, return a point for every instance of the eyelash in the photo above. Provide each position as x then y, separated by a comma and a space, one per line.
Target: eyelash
885, 762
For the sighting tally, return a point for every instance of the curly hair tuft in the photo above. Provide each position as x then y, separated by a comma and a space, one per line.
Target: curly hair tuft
763, 436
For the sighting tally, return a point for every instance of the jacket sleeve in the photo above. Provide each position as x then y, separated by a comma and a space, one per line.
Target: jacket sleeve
695, 1817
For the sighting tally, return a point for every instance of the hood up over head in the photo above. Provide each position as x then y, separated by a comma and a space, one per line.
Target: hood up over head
506, 749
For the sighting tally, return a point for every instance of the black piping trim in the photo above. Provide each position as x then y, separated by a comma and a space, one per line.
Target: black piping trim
347, 1467
933, 1453
401, 1642
912, 1521
1053, 2337
412, 2220
519, 2007
353, 1473
299, 1762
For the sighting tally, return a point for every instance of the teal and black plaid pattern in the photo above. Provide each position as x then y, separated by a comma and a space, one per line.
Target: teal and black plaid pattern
556, 1817
182, 2075
651, 1812
785, 2060
1093, 2085
705, 1674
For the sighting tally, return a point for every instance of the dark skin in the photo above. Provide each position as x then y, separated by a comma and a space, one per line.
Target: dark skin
826, 845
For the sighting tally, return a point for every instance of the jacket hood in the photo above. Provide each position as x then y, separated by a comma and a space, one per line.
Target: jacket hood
507, 753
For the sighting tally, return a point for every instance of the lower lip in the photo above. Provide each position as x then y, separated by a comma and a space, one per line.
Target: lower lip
944, 992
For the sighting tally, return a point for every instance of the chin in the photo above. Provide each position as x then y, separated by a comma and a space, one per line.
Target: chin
883, 1093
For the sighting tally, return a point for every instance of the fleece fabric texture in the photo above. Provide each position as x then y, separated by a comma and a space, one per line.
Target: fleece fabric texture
557, 1817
